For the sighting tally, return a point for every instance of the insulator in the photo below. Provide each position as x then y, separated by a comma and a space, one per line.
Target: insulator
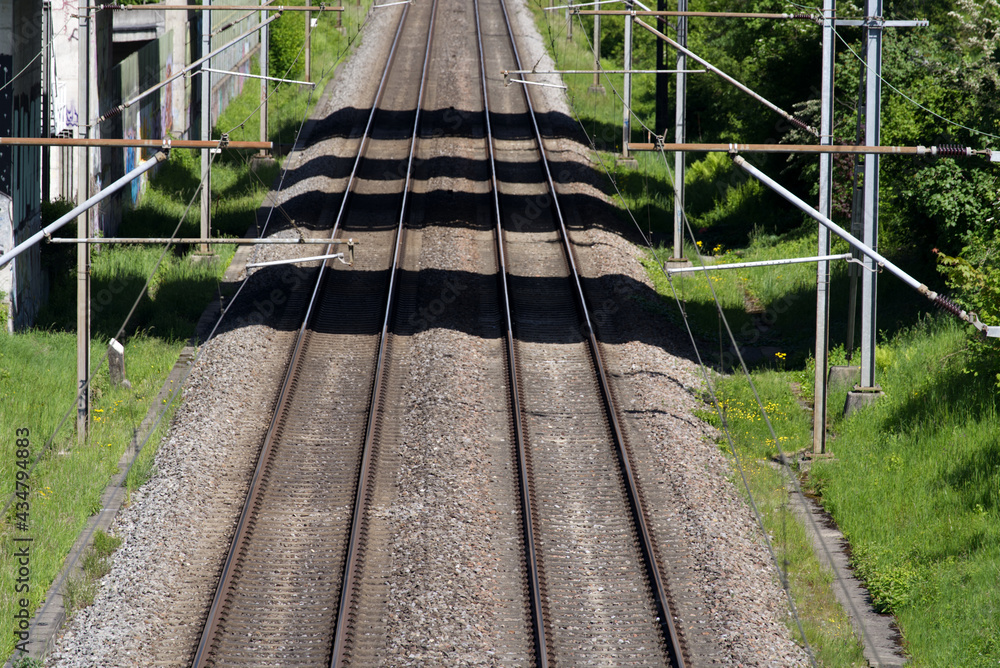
946, 304
952, 150
802, 124
110, 114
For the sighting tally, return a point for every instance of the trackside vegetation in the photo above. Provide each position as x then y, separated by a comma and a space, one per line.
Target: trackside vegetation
914, 480
38, 367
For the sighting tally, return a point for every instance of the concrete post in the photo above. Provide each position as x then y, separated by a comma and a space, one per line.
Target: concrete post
116, 365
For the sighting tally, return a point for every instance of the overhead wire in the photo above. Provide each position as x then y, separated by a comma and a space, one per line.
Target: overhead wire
893, 88
909, 99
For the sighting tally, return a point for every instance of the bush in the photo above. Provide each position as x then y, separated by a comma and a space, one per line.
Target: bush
287, 38
975, 276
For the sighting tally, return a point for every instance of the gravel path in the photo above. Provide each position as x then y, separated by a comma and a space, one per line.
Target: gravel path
172, 535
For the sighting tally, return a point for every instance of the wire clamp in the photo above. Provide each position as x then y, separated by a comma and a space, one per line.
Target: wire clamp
166, 144
223, 143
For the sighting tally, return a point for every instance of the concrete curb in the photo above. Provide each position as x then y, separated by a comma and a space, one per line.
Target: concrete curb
877, 632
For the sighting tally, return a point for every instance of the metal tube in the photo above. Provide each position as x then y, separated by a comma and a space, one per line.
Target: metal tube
308, 44
257, 76
82, 230
761, 263
822, 346
794, 148
603, 71
869, 282
125, 143
723, 75
597, 54
214, 240
265, 49
273, 263
196, 8
679, 134
205, 220
869, 252
536, 83
79, 209
627, 87
724, 15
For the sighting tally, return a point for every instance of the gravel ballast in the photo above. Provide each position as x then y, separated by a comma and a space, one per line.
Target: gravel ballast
175, 530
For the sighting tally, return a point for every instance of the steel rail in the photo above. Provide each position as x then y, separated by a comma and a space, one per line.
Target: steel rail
215, 612
531, 558
351, 563
631, 486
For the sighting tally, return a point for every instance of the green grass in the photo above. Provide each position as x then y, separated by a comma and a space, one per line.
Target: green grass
38, 368
915, 486
824, 622
81, 589
37, 376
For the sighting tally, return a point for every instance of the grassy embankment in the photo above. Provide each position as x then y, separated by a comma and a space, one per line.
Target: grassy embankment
914, 482
37, 367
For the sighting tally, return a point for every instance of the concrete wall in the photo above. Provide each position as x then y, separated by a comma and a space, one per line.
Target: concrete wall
22, 280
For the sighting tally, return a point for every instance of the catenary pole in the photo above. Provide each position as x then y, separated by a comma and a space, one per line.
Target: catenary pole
264, 63
206, 129
826, 209
627, 87
82, 230
873, 94
679, 133
597, 86
308, 46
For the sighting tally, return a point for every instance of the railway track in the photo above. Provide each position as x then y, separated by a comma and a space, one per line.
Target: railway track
309, 573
